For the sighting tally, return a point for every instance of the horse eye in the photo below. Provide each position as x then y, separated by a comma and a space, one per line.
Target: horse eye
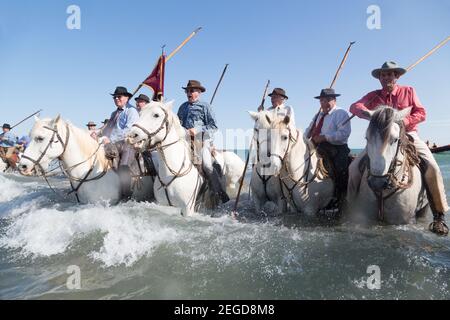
39, 139
156, 115
284, 137
394, 141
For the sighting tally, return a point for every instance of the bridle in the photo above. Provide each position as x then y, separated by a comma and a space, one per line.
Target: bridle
55, 133
164, 124
66, 170
393, 183
159, 147
291, 142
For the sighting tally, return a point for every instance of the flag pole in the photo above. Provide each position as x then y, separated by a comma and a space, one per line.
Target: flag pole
183, 43
172, 53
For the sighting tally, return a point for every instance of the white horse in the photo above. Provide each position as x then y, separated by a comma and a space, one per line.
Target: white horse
305, 184
391, 188
179, 182
265, 185
3, 166
82, 158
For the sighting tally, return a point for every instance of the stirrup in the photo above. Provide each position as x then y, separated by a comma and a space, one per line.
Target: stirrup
434, 229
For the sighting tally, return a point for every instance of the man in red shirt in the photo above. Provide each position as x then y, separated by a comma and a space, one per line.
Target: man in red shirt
400, 97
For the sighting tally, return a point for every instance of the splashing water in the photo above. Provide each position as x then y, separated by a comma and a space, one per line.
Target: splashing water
143, 250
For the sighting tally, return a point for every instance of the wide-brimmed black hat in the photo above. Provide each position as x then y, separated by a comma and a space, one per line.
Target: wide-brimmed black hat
143, 97
388, 66
279, 92
6, 126
121, 91
326, 93
194, 84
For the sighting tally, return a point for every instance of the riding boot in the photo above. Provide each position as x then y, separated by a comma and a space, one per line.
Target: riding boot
438, 225
124, 173
216, 184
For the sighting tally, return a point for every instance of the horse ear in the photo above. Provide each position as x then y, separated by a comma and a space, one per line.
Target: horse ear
36, 118
400, 115
286, 119
56, 120
368, 114
268, 119
169, 105
253, 115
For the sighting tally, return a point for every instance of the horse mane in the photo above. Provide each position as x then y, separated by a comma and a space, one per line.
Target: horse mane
381, 122
85, 142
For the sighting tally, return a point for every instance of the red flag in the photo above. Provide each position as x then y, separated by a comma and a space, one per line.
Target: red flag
156, 79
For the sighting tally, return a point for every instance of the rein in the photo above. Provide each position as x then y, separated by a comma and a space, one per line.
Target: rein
65, 170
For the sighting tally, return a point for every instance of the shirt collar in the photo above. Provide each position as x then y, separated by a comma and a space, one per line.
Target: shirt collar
331, 111
281, 106
386, 93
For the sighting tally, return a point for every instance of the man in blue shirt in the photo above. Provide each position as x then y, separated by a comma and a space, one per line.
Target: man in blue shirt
115, 132
198, 119
7, 146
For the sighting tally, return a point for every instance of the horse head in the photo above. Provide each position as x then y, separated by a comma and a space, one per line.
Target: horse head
273, 136
48, 142
153, 125
384, 136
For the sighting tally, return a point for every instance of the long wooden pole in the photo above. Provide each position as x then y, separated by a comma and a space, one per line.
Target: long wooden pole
338, 71
218, 84
24, 120
344, 59
241, 183
411, 67
173, 53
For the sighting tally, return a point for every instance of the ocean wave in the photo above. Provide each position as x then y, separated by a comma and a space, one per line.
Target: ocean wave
129, 232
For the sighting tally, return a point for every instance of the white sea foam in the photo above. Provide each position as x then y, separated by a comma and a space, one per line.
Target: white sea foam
127, 236
10, 189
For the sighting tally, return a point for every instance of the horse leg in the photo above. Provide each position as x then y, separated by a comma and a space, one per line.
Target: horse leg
354, 178
187, 211
282, 206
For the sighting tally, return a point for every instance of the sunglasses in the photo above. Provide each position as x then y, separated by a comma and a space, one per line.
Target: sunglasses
190, 90
117, 97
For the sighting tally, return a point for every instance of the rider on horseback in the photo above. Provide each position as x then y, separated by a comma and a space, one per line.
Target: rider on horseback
401, 97
114, 135
7, 146
198, 119
330, 138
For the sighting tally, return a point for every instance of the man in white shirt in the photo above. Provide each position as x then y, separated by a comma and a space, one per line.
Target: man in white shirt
278, 98
330, 137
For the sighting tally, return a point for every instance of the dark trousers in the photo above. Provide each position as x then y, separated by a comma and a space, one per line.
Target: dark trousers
336, 156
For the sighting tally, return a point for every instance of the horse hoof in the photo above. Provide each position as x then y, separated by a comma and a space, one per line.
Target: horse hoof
439, 227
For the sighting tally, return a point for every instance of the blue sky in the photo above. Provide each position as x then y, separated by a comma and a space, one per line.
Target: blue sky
296, 44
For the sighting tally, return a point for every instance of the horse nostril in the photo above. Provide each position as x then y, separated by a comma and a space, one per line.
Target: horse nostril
23, 167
